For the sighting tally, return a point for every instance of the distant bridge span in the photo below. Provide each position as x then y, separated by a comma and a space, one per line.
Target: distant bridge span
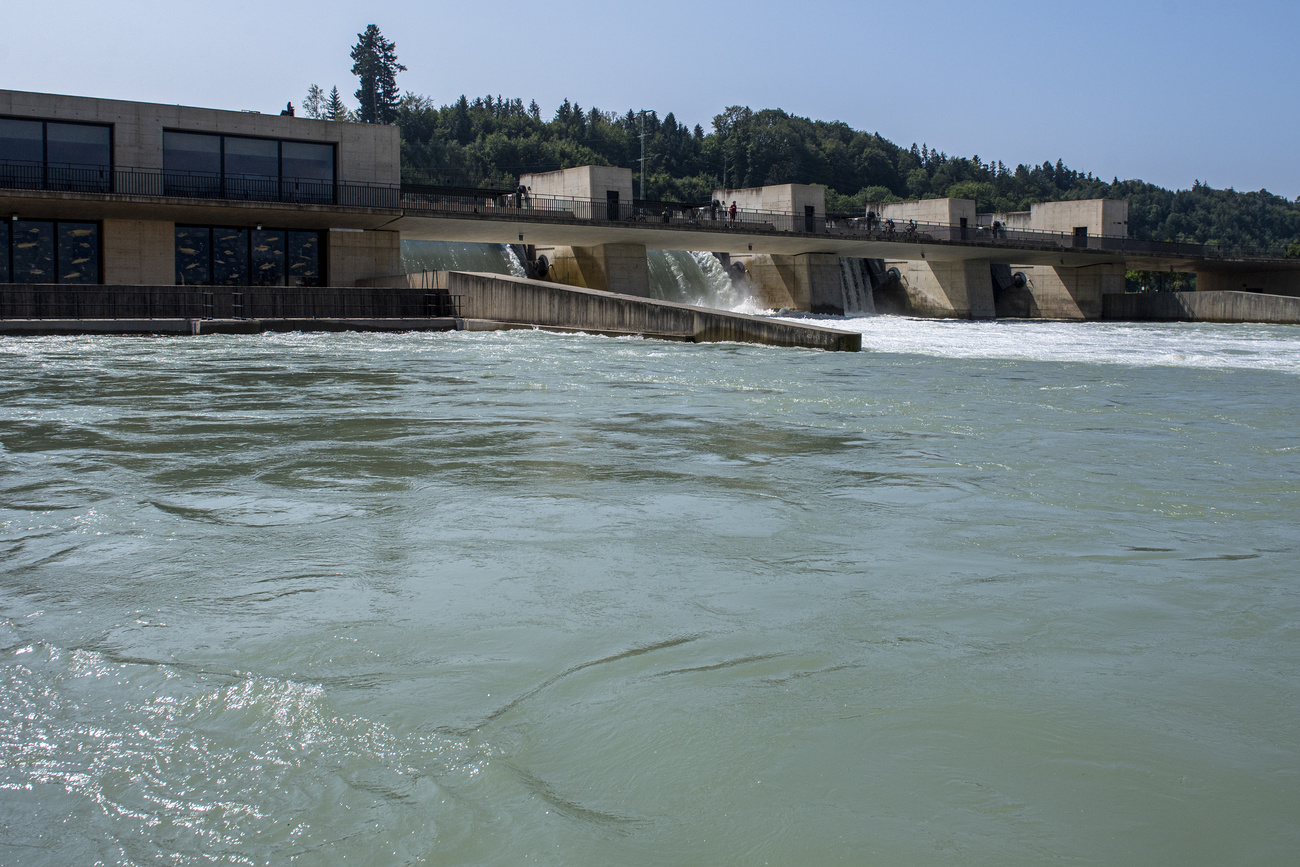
590, 223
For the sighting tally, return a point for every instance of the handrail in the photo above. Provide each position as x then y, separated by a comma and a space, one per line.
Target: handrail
97, 301
195, 185
520, 205
517, 206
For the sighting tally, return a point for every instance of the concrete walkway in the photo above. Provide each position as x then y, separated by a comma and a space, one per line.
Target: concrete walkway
519, 302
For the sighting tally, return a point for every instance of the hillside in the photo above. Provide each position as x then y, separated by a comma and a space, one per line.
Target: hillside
490, 140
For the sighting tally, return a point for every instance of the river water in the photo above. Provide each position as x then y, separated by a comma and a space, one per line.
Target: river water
985, 593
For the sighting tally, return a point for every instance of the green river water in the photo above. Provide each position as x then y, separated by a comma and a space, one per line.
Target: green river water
984, 593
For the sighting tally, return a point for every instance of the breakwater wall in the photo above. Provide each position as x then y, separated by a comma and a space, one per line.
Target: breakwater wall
442, 300
1202, 307
516, 301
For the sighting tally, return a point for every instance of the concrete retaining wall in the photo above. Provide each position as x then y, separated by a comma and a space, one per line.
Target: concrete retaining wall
548, 305
1203, 307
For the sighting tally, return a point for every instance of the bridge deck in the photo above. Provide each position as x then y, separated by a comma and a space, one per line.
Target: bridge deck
488, 218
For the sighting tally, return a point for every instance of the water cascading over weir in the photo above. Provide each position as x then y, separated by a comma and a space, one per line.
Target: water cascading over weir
675, 275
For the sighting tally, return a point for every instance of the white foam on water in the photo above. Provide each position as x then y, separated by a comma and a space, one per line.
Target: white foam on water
1174, 344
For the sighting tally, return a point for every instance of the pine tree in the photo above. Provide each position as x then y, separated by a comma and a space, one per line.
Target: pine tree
377, 67
334, 107
314, 104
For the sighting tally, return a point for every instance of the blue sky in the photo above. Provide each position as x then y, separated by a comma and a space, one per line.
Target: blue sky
1170, 92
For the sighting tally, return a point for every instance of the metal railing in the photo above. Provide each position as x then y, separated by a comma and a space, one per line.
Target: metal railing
49, 301
429, 200
515, 206
196, 185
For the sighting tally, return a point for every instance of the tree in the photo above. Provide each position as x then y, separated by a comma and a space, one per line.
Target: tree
334, 107
377, 67
314, 104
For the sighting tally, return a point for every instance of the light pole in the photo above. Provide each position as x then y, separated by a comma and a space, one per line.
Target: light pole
642, 112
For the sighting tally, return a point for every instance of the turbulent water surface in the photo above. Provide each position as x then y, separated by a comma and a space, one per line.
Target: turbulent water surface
982, 594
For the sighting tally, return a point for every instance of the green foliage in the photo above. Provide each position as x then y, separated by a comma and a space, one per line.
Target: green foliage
377, 67
491, 140
1159, 281
314, 104
1293, 250
334, 108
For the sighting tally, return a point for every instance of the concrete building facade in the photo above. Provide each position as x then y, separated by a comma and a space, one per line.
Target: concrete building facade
799, 201
942, 212
1105, 218
114, 192
606, 267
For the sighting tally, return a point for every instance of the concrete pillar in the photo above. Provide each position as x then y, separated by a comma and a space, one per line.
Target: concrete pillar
357, 256
804, 282
1266, 282
962, 289
617, 268
1057, 292
139, 252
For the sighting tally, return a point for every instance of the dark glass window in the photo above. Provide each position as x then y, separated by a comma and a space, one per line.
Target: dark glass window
192, 164
77, 157
235, 167
191, 152
252, 168
77, 144
230, 257
307, 172
78, 252
36, 154
247, 257
310, 162
4, 251
304, 259
252, 158
20, 141
22, 154
193, 255
267, 258
33, 252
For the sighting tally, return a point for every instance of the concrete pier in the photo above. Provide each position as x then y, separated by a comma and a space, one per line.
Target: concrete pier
962, 289
1063, 293
607, 268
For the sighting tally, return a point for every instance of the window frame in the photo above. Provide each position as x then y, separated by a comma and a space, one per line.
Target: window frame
110, 184
322, 237
8, 252
226, 180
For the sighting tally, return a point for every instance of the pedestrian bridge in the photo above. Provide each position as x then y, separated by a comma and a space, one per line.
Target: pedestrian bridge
502, 218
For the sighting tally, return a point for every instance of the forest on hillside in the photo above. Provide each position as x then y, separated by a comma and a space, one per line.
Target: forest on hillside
489, 141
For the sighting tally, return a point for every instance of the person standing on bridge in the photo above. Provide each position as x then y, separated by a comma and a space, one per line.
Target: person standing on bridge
732, 212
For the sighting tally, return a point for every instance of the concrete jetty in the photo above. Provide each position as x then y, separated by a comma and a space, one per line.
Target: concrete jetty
490, 301
440, 301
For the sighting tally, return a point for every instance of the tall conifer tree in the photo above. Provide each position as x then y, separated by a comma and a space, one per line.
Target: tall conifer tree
334, 107
377, 67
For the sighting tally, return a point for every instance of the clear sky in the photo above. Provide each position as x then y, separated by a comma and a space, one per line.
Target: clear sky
1170, 92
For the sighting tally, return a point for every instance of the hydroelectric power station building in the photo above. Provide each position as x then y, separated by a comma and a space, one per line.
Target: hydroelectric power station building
201, 215
101, 191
